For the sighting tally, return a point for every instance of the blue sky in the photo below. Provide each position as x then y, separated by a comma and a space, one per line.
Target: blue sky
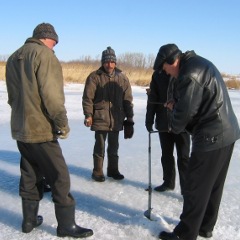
87, 27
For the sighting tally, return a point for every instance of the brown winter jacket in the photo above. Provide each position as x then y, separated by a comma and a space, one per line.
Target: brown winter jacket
35, 93
108, 100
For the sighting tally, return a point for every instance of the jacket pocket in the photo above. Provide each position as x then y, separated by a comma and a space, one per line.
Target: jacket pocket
99, 112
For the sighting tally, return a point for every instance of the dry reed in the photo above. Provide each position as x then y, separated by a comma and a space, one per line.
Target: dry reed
77, 72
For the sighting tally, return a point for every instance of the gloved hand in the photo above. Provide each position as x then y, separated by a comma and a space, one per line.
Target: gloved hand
128, 129
149, 127
88, 121
63, 133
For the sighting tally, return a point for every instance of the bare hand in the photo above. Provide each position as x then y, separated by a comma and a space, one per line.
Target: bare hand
88, 122
170, 104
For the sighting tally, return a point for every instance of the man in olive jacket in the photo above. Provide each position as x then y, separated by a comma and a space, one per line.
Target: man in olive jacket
204, 109
38, 118
107, 101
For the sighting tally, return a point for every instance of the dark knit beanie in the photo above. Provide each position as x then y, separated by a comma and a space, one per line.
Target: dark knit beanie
108, 55
45, 30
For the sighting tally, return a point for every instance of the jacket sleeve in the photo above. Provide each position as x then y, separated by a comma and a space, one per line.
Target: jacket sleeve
151, 108
88, 95
128, 99
50, 83
186, 108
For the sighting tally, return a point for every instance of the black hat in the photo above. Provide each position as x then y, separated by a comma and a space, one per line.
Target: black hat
45, 30
108, 55
167, 53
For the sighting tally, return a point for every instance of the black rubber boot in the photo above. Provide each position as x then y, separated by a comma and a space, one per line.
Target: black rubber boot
112, 169
30, 217
66, 223
116, 176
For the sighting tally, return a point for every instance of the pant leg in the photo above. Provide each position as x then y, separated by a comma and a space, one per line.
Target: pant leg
99, 152
211, 214
206, 175
167, 159
112, 151
47, 158
182, 142
31, 184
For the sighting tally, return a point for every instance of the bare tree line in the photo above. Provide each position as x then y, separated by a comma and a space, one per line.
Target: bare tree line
3, 58
126, 60
137, 67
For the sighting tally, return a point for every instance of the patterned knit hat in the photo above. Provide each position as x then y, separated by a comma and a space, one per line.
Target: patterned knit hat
108, 55
45, 30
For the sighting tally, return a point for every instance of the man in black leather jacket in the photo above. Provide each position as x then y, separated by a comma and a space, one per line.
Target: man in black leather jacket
204, 109
162, 89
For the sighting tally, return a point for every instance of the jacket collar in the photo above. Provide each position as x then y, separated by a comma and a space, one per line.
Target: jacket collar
102, 71
34, 40
185, 56
37, 41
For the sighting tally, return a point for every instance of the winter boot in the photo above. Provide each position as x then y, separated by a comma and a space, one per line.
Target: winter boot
30, 217
205, 234
164, 187
97, 174
116, 175
112, 170
168, 236
66, 223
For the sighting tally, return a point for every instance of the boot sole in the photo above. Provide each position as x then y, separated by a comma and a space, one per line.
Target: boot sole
29, 226
83, 235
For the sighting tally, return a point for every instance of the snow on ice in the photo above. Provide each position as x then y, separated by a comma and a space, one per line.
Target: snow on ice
113, 209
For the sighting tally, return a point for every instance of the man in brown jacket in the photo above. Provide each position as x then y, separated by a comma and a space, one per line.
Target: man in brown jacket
107, 101
35, 93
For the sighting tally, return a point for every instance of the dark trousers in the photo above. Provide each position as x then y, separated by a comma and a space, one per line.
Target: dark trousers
182, 142
203, 191
44, 159
112, 151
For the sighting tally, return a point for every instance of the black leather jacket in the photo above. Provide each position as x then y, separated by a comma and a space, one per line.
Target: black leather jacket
204, 108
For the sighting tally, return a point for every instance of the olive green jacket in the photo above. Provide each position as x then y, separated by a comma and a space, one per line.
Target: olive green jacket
35, 93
